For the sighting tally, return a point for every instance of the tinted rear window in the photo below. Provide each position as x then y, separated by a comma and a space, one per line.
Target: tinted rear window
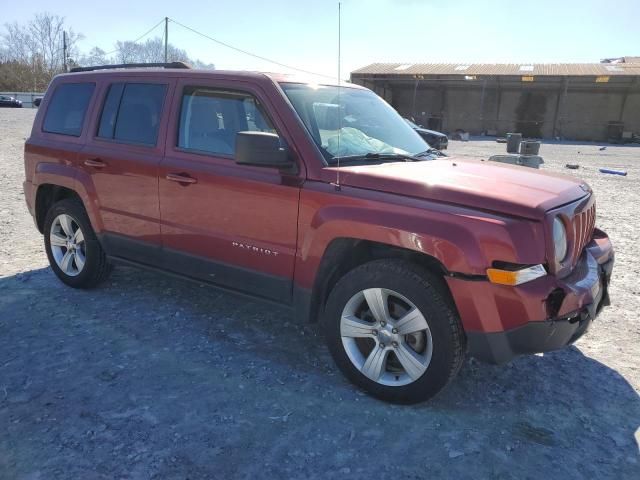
67, 109
132, 112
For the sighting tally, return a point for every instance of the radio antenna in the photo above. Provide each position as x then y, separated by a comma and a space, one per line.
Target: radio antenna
339, 105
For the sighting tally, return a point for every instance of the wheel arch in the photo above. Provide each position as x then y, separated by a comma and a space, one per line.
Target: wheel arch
343, 254
46, 196
55, 182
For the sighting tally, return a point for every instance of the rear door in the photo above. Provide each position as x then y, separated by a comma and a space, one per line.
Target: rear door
234, 225
122, 156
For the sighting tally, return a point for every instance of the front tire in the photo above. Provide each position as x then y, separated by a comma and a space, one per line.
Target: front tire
393, 331
75, 255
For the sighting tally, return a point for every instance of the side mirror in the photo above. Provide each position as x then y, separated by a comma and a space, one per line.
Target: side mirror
261, 149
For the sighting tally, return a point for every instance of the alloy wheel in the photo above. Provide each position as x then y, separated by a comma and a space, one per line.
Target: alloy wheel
386, 337
67, 245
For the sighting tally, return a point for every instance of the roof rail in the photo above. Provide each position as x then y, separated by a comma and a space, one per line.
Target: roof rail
131, 65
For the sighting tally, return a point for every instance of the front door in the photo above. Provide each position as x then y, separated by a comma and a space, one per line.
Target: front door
233, 225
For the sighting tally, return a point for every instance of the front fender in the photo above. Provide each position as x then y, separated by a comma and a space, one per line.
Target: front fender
463, 240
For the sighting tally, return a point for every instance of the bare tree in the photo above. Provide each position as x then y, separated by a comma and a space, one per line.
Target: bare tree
96, 56
38, 45
150, 51
31, 54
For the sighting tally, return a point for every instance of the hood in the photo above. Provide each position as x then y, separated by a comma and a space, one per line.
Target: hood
501, 188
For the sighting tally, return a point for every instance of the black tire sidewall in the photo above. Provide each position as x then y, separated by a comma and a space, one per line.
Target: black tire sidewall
413, 283
93, 250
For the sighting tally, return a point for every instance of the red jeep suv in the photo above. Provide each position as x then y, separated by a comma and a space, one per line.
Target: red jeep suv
322, 198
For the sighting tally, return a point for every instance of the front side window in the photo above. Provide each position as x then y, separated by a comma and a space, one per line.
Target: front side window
67, 109
352, 122
210, 119
132, 113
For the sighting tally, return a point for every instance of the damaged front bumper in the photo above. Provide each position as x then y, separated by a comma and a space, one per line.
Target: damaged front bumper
553, 312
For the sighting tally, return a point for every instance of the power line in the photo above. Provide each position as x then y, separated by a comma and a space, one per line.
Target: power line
140, 37
248, 53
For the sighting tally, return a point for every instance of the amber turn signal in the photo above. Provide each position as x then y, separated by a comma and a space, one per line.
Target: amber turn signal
515, 277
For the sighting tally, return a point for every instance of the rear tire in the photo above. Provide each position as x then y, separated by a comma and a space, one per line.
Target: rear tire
74, 252
409, 345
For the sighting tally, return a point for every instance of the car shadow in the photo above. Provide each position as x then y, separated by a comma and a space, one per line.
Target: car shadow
146, 334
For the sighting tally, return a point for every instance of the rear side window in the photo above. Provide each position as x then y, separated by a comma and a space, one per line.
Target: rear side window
67, 109
132, 112
210, 119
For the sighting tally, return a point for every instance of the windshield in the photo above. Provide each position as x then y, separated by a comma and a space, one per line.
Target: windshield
347, 122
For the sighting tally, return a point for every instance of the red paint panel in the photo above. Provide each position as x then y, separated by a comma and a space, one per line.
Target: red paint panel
462, 239
230, 209
236, 214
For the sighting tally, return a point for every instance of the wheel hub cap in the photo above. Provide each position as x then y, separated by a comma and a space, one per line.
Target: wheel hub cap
386, 336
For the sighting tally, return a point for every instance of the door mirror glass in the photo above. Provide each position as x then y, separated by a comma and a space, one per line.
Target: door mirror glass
261, 149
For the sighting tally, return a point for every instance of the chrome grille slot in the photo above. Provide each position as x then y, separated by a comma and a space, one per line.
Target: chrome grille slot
583, 225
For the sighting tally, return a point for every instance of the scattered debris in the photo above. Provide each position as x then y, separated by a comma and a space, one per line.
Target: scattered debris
533, 161
572, 166
282, 418
530, 147
513, 142
460, 134
602, 148
455, 453
613, 172
535, 434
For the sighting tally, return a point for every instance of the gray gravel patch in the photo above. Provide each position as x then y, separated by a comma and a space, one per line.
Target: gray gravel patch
150, 377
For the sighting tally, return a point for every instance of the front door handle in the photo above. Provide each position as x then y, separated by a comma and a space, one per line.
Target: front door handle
95, 163
182, 178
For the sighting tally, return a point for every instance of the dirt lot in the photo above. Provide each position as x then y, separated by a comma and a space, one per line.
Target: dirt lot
153, 377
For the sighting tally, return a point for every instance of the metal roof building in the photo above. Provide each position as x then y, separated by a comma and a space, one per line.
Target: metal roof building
582, 101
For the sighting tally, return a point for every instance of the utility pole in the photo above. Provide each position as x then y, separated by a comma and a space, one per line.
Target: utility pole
64, 50
166, 38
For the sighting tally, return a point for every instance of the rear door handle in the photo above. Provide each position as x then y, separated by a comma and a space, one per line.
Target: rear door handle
181, 178
95, 163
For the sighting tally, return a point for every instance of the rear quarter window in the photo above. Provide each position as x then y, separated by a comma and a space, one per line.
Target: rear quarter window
68, 108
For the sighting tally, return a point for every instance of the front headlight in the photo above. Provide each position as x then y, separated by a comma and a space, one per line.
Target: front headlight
559, 240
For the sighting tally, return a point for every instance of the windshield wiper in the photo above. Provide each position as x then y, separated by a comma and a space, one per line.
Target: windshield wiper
376, 156
431, 151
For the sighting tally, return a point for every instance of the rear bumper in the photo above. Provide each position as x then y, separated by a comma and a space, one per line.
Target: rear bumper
546, 314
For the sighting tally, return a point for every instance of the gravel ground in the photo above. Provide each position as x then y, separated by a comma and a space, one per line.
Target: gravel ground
153, 377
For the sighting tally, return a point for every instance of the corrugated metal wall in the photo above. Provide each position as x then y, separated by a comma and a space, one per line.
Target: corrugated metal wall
575, 108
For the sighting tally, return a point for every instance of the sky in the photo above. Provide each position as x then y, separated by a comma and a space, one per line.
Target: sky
304, 33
